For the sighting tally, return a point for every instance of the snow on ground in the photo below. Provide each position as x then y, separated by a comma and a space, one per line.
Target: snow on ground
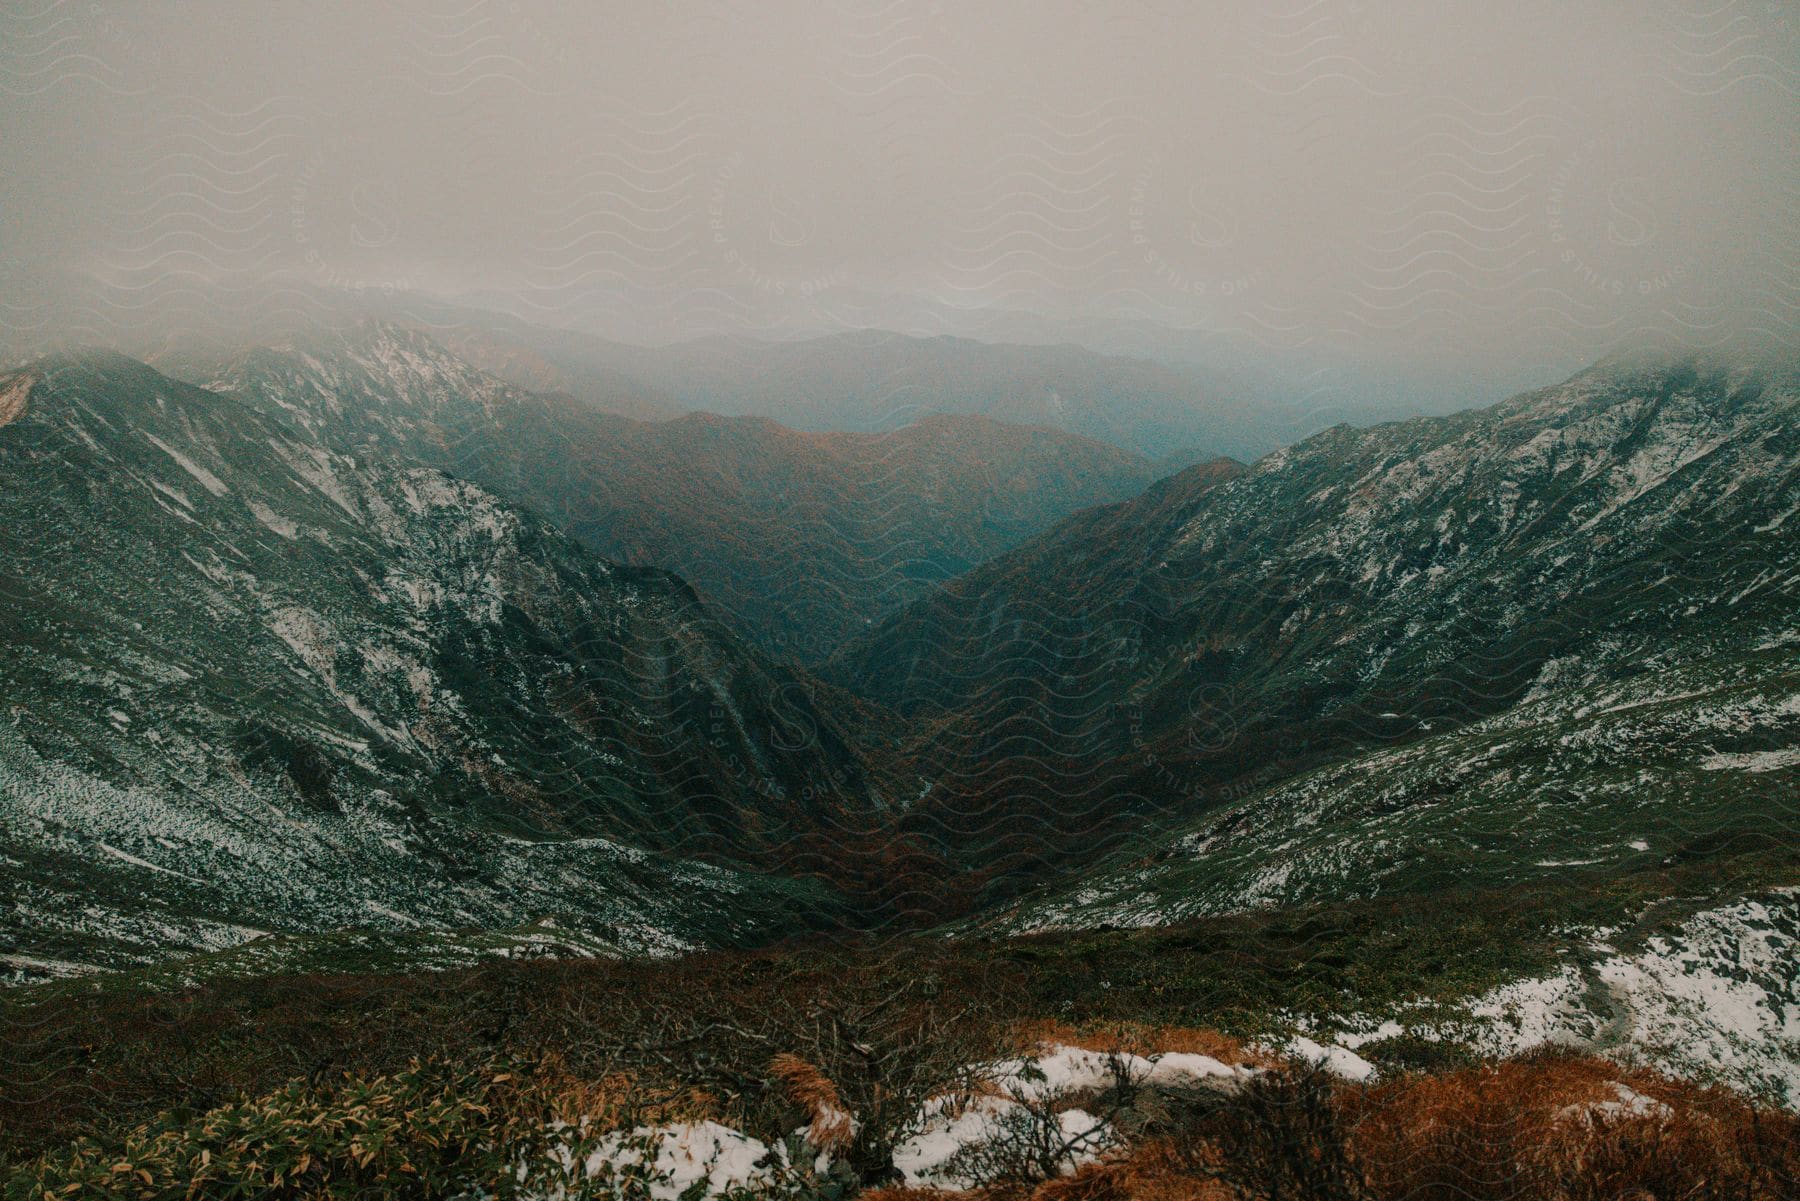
1352, 1039
1014, 1095
1717, 998
685, 1155
1754, 761
665, 1163
273, 520
931, 1158
1720, 997
1629, 1104
1061, 1071
207, 479
1022, 1090
127, 857
1338, 1060
1531, 1013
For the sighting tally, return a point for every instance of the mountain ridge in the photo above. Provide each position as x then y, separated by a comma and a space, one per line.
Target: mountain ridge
281, 688
1357, 588
871, 519
1144, 667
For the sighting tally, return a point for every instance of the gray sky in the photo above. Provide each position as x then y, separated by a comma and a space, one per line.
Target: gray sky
1459, 187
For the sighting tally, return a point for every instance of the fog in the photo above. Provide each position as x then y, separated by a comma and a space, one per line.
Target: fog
1472, 195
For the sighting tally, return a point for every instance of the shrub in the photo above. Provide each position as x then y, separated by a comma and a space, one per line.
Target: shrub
1411, 1052
429, 1131
1281, 1137
1039, 1138
874, 1041
1551, 1127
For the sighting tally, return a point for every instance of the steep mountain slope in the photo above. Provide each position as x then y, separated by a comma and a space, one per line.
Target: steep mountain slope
1695, 759
802, 540
1652, 823
1362, 588
252, 683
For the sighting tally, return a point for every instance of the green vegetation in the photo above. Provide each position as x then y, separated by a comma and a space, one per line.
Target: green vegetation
1240, 972
109, 1053
430, 1130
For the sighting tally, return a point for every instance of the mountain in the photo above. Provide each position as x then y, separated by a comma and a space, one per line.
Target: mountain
560, 362
876, 380
1158, 403
1153, 399
800, 539
1649, 822
1163, 659
274, 668
1696, 759
256, 684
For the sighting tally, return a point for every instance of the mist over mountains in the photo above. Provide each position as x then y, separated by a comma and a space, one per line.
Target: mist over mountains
734, 503
902, 602
1028, 655
336, 656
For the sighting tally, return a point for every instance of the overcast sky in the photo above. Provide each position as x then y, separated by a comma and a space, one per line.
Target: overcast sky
1492, 186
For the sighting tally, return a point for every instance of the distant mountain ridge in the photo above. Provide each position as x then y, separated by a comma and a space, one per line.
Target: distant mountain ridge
559, 365
875, 380
869, 377
802, 539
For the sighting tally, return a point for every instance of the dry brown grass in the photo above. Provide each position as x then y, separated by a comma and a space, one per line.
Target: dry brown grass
1509, 1130
1519, 1130
829, 1124
1514, 1130
616, 1099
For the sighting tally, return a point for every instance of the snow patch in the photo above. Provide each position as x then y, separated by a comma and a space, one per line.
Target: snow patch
684, 1159
127, 857
208, 480
1337, 1060
1530, 1013
1629, 1104
1753, 761
273, 520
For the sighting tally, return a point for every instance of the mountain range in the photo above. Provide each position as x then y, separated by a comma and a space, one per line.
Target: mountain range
255, 683
800, 539
1363, 589
877, 380
346, 631
873, 379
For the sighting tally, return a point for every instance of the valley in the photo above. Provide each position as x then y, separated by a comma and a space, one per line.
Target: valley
734, 504
344, 660
899, 602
